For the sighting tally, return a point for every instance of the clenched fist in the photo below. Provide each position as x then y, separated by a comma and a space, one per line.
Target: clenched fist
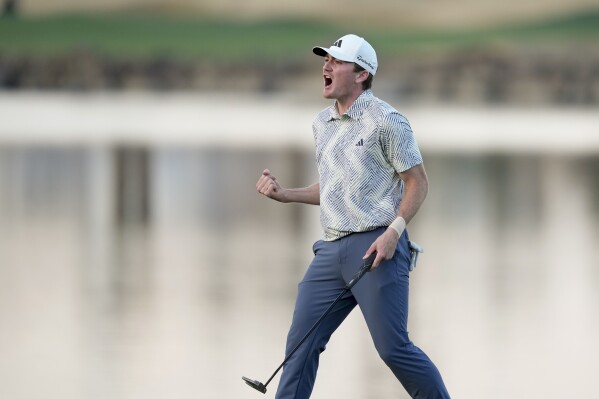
269, 186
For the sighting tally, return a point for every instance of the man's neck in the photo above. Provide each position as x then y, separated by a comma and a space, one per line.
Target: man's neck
344, 103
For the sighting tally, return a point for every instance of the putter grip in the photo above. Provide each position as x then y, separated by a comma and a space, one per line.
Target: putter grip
365, 268
369, 261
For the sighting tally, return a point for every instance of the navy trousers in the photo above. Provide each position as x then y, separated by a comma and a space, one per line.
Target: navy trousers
382, 295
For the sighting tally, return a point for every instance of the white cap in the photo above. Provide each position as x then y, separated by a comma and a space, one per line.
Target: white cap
352, 48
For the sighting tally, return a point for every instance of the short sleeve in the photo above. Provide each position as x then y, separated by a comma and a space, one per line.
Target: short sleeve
398, 142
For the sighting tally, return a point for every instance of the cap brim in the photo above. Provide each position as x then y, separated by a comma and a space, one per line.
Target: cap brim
322, 51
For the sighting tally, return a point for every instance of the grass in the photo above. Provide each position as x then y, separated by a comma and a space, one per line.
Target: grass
135, 36
142, 36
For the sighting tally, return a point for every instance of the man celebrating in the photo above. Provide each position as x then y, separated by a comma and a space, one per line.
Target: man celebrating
371, 184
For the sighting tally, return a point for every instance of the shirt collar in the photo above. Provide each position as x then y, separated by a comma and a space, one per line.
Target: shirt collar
356, 109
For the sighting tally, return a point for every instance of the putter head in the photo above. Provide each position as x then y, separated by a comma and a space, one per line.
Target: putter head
257, 385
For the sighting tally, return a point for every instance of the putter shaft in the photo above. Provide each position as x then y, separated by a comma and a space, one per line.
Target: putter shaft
365, 268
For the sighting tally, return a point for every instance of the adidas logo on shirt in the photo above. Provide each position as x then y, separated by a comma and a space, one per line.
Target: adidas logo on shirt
360, 143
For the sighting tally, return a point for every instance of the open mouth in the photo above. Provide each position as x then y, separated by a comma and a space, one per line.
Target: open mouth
327, 81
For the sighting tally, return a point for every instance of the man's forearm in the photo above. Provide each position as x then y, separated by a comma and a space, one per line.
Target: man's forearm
414, 195
306, 195
415, 191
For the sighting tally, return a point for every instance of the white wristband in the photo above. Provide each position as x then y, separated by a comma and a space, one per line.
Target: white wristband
399, 225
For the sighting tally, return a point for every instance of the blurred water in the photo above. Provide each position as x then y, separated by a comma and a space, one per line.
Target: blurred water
99, 299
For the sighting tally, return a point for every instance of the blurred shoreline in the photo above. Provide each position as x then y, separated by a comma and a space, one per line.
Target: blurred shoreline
275, 121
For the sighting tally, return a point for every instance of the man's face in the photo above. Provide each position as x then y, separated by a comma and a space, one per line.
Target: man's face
339, 78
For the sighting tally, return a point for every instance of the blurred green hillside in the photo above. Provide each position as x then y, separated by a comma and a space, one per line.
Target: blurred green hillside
149, 35
547, 61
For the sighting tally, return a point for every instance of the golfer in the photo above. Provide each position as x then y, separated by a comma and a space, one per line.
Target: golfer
371, 184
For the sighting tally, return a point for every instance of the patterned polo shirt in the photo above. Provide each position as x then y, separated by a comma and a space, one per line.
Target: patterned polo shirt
359, 155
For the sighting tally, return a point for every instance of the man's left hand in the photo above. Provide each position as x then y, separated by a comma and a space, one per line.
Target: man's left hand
384, 245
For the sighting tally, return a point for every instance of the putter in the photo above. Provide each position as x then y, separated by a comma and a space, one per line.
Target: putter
257, 385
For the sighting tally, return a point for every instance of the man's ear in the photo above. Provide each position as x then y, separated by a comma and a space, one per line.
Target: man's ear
362, 76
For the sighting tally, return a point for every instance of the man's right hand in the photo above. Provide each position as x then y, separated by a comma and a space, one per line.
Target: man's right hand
269, 186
